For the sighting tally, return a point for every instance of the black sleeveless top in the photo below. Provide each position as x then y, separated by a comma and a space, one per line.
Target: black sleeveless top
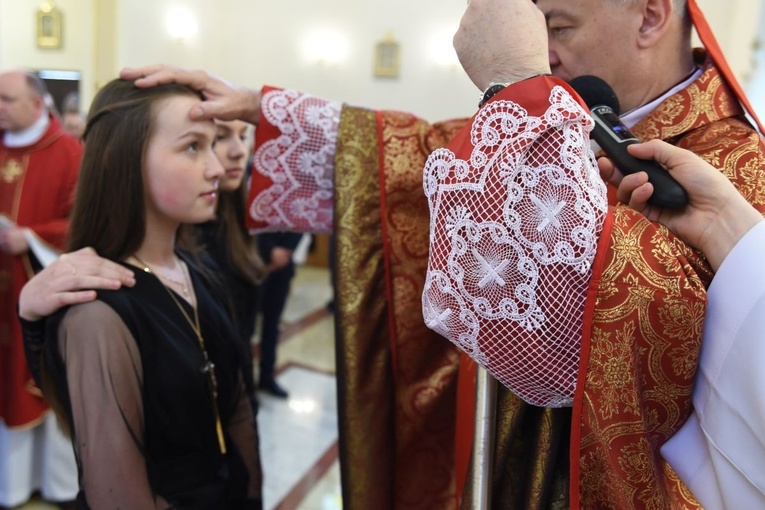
180, 442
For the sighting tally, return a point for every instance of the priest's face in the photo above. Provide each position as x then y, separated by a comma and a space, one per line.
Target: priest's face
20, 107
593, 37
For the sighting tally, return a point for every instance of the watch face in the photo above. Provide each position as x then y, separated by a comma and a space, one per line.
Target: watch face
491, 92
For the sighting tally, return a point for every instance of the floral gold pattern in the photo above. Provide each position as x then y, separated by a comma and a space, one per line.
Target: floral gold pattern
653, 300
394, 381
644, 348
397, 379
425, 365
365, 378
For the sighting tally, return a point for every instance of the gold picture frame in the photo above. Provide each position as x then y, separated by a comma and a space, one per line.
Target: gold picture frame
48, 27
387, 58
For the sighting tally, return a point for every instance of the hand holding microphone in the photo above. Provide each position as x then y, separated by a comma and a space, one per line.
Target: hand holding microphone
614, 138
717, 215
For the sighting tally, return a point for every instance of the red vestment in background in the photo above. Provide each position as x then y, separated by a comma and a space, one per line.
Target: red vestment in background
36, 191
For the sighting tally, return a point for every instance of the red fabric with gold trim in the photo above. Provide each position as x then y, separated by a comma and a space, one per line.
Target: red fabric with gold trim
36, 191
639, 361
709, 41
424, 364
651, 298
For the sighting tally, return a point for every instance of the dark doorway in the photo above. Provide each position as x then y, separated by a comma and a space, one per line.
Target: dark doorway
60, 85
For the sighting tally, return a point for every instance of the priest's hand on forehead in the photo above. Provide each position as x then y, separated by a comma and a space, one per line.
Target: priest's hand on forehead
502, 41
223, 100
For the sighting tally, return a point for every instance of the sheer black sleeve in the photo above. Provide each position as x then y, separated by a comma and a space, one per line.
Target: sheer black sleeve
34, 339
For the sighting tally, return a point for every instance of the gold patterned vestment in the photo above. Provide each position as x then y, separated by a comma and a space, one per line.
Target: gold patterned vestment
405, 393
618, 463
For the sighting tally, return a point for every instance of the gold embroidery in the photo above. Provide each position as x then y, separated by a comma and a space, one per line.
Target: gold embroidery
424, 362
364, 358
643, 352
11, 171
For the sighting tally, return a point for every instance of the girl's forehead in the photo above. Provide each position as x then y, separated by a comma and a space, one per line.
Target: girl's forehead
231, 125
174, 112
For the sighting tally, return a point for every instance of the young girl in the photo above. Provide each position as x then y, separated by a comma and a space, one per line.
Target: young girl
148, 377
228, 242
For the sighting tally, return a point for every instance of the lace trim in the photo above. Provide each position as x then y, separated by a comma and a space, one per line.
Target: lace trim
513, 235
299, 163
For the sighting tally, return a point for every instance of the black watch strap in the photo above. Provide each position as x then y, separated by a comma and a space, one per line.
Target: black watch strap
494, 88
491, 91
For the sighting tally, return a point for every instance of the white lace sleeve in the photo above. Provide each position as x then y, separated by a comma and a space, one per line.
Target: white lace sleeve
513, 233
298, 165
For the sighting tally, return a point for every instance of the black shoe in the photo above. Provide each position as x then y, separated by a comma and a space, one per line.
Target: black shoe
274, 389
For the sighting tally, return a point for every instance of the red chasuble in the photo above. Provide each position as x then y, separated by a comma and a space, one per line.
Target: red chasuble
406, 393
36, 191
642, 322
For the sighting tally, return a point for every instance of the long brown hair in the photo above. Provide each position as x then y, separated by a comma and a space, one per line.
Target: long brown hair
241, 252
109, 211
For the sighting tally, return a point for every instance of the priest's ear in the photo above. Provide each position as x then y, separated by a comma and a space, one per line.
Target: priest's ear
658, 18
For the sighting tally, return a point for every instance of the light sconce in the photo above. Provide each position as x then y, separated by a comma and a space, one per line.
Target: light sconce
181, 24
325, 47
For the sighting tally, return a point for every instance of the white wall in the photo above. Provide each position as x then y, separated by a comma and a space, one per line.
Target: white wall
263, 42
18, 33
252, 42
756, 88
424, 87
735, 25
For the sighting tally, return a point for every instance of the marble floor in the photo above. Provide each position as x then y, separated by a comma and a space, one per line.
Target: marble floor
298, 435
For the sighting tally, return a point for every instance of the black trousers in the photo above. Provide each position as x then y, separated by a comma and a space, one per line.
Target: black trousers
274, 292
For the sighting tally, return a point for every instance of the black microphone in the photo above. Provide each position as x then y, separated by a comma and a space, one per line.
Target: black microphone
614, 137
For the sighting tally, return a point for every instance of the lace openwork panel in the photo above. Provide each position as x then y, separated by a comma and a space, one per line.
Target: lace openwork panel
300, 162
513, 234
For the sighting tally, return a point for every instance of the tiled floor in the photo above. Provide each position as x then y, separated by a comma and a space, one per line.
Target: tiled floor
299, 435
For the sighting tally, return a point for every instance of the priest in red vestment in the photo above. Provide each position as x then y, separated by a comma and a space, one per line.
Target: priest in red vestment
630, 325
38, 172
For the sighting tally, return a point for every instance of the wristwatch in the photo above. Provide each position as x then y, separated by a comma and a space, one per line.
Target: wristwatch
492, 90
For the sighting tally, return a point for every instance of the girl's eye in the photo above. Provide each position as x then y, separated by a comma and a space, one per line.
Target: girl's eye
558, 31
193, 147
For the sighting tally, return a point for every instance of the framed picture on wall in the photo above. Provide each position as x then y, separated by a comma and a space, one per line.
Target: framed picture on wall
48, 27
387, 58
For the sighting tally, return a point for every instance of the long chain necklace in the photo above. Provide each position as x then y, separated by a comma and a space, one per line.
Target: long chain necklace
182, 284
208, 367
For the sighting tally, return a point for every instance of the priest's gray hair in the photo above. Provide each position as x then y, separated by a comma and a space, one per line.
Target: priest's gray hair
36, 85
681, 9
679, 4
